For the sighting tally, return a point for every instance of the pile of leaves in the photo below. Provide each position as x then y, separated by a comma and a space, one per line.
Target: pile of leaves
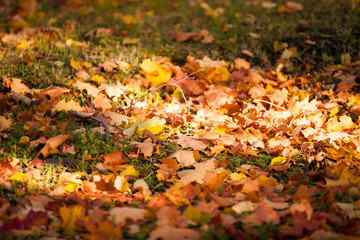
206, 150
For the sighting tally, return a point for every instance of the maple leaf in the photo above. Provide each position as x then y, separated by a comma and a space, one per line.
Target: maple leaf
114, 158
70, 215
52, 144
213, 180
154, 125
116, 118
18, 87
184, 157
190, 142
267, 214
146, 147
184, 36
169, 232
6, 169
120, 215
192, 213
103, 230
19, 177
5, 123
244, 206
83, 74
67, 106
121, 184
155, 73
88, 87
304, 207
212, 71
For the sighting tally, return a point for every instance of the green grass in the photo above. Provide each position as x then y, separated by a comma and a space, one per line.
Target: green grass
335, 34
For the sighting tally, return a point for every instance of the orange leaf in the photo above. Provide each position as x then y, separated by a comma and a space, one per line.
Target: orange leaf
114, 158
52, 144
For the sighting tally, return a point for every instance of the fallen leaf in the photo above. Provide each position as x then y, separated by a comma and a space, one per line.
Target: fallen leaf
91, 90
70, 215
245, 206
184, 157
5, 123
190, 142
173, 233
154, 125
278, 161
114, 158
67, 106
119, 215
52, 144
130, 171
19, 177
155, 73
18, 87
146, 147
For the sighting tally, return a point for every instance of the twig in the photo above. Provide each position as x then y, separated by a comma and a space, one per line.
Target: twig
93, 118
272, 104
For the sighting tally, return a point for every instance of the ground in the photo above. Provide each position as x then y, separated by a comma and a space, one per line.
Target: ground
179, 119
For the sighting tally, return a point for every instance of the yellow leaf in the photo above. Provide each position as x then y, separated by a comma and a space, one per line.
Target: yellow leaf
269, 88
294, 52
155, 73
192, 213
154, 125
130, 171
149, 67
150, 14
19, 177
66, 106
132, 129
278, 161
125, 187
97, 78
86, 64
24, 140
213, 71
333, 125
237, 176
334, 112
131, 41
129, 19
33, 186
23, 45
75, 65
71, 187
70, 215
220, 129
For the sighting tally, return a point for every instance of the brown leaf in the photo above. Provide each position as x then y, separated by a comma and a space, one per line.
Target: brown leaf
91, 90
190, 142
119, 215
146, 147
213, 180
114, 158
184, 36
172, 233
267, 214
6, 82
185, 158
52, 144
18, 87
82, 74
6, 169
